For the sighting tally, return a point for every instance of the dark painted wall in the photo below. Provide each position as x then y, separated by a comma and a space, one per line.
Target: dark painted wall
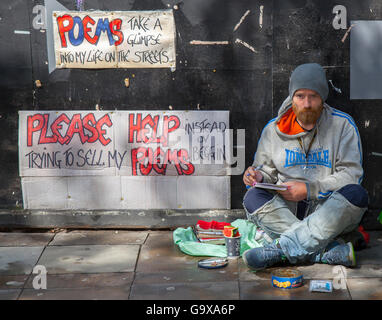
232, 77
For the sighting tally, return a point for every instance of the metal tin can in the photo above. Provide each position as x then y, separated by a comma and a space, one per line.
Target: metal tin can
286, 278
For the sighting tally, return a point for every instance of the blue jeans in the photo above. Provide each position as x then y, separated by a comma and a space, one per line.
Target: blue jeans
323, 221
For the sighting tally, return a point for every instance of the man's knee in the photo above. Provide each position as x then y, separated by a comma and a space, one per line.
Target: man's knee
355, 194
256, 198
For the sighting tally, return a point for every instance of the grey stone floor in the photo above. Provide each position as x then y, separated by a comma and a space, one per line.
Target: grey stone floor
143, 265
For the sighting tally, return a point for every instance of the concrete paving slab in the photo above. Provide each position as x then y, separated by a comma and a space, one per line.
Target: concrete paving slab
159, 253
193, 274
318, 271
18, 260
81, 280
263, 290
245, 274
228, 290
12, 282
151, 261
373, 253
115, 293
21, 239
89, 259
365, 271
9, 294
365, 289
165, 237
100, 237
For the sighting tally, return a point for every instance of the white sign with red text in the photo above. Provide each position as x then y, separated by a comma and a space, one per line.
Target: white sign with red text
122, 159
118, 39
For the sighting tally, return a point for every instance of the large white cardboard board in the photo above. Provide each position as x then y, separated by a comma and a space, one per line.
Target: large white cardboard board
124, 159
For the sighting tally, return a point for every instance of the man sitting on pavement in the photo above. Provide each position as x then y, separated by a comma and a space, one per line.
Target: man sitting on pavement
314, 150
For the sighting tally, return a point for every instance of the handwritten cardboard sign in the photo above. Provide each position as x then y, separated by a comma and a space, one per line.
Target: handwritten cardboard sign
118, 39
124, 159
127, 143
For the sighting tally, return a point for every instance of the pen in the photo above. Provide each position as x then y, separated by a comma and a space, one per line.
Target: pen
257, 168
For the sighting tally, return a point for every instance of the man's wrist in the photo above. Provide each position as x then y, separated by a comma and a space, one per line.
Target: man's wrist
307, 190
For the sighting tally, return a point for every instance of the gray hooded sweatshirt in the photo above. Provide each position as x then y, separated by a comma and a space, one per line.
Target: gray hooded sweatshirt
334, 160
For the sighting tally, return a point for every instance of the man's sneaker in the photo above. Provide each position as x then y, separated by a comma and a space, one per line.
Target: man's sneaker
316, 258
342, 254
264, 257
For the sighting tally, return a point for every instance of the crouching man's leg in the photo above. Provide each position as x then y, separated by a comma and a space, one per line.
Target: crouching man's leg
340, 213
306, 240
272, 214
268, 211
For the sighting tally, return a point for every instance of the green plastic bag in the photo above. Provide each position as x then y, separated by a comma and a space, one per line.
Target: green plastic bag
187, 242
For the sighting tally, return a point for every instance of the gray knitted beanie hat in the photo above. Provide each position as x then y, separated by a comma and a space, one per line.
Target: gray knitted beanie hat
309, 76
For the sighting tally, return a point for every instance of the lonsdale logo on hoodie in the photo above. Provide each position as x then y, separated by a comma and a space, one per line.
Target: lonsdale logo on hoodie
296, 157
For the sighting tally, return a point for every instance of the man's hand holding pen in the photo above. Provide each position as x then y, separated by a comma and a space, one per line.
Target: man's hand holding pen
252, 176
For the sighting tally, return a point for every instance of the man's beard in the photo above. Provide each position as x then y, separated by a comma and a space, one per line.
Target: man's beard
307, 116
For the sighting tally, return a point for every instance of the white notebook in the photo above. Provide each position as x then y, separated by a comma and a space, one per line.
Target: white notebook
271, 186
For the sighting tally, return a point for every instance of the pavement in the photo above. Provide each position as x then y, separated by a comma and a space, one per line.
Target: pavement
146, 265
